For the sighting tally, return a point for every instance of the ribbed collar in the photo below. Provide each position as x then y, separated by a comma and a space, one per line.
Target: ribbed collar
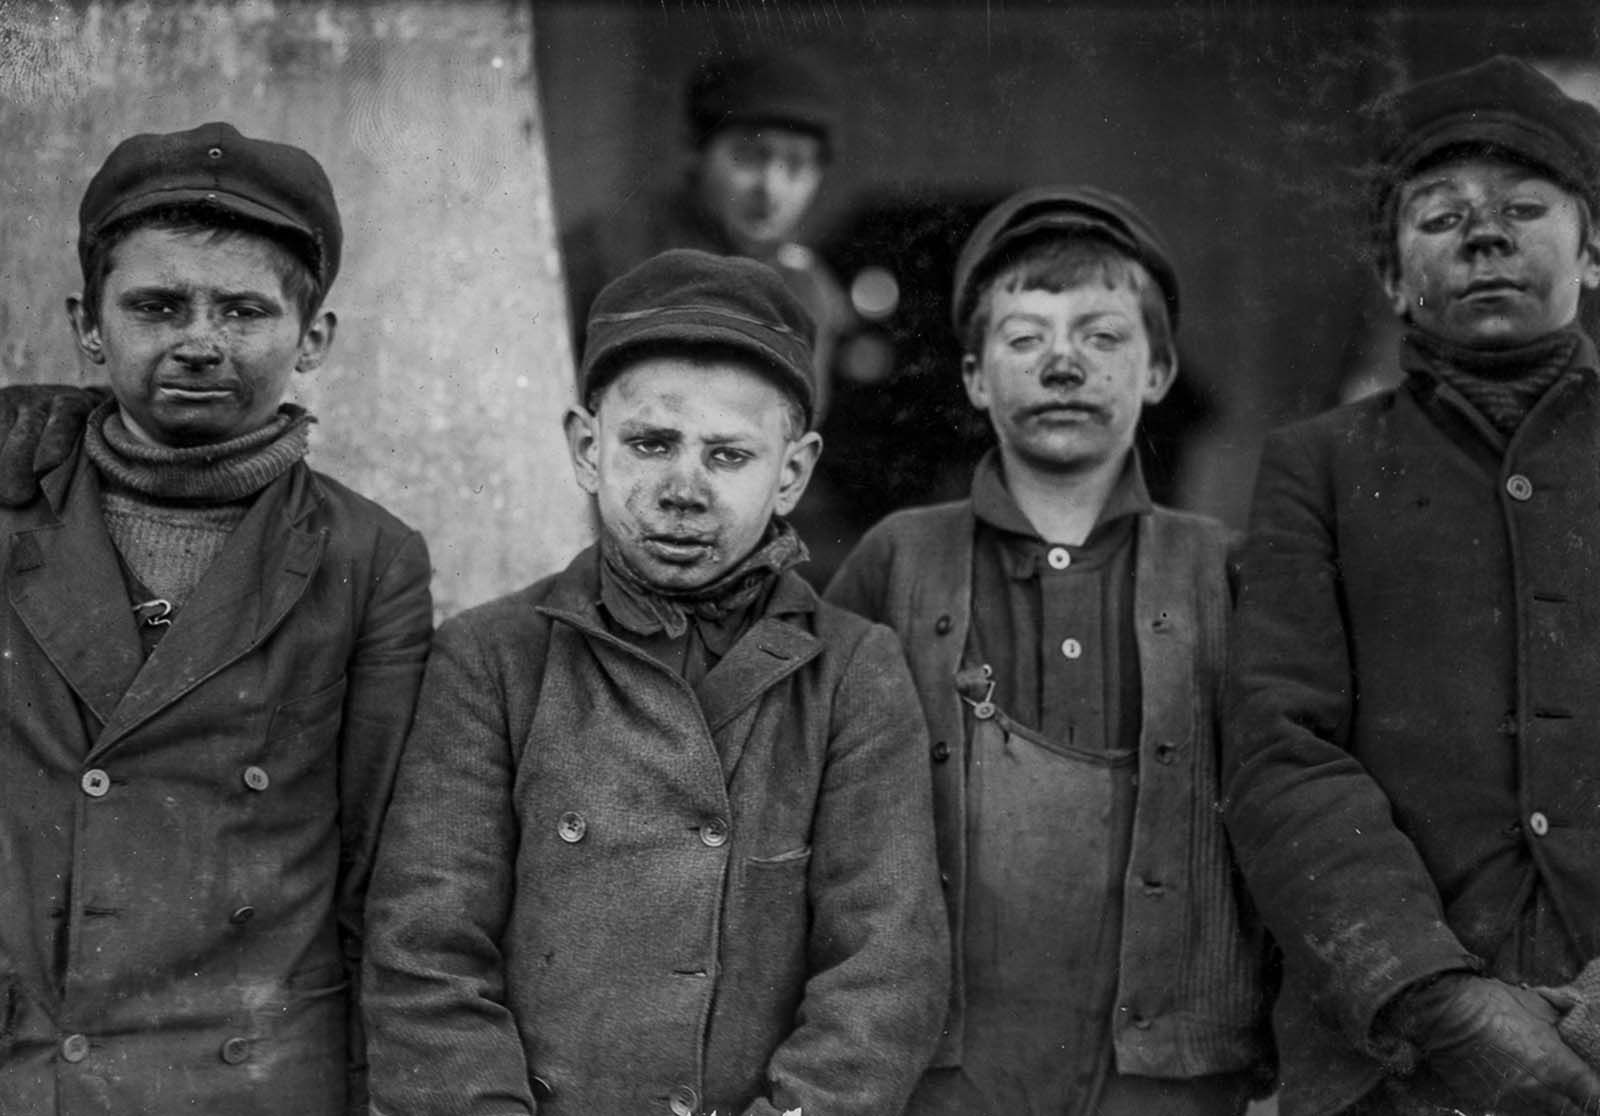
212, 474
1501, 384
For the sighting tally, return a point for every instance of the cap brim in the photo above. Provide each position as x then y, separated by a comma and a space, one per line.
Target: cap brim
191, 195
690, 326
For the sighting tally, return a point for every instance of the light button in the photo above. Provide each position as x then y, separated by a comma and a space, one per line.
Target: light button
1519, 487
1072, 649
95, 783
1538, 823
1059, 557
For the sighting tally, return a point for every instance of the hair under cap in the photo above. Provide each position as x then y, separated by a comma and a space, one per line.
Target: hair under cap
776, 89
687, 299
1500, 105
1059, 211
274, 184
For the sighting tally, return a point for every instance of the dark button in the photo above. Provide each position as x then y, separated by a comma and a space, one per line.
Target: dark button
683, 1101
944, 879
75, 1048
235, 1050
941, 752
1141, 1022
1155, 889
571, 827
95, 783
714, 833
1166, 752
242, 915
1508, 725
256, 778
542, 1089
1519, 487
943, 625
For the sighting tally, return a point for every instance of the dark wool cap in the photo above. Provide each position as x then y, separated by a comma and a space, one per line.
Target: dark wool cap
213, 165
1503, 105
685, 298
1049, 211
779, 89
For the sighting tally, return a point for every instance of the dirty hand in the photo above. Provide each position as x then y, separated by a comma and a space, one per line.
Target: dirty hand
1496, 1046
39, 425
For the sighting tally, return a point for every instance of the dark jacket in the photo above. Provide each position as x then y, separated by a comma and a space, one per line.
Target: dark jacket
1414, 711
1190, 1000
185, 841
606, 893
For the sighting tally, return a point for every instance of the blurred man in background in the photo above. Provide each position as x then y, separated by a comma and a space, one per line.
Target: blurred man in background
761, 132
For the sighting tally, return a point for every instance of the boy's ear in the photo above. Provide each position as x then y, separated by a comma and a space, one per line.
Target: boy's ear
1159, 379
976, 383
583, 444
85, 330
1589, 277
316, 340
800, 458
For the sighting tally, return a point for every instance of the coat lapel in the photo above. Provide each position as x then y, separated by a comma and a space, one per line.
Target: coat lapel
65, 583
260, 574
765, 655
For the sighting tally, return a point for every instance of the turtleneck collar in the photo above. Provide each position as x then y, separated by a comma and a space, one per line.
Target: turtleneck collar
1502, 385
211, 474
1502, 364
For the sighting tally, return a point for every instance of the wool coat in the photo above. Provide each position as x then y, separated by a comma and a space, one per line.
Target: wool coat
1190, 993
604, 893
1414, 751
185, 840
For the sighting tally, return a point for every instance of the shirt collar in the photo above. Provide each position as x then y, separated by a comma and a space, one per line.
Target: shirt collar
1024, 548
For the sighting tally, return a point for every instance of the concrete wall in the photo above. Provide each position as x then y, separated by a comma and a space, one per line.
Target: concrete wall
451, 366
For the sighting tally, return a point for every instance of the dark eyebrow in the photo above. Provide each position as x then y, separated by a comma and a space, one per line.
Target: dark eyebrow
635, 429
157, 290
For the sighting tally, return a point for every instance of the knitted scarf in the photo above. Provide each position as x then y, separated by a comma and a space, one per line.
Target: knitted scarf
1501, 384
170, 511
645, 609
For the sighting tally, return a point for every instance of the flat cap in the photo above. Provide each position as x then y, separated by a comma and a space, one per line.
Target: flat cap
275, 184
779, 89
1502, 104
1047, 211
686, 298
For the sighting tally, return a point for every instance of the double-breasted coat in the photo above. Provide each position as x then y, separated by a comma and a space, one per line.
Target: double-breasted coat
602, 891
185, 840
1413, 764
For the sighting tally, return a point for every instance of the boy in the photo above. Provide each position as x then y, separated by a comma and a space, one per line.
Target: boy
1066, 638
661, 839
1415, 783
210, 655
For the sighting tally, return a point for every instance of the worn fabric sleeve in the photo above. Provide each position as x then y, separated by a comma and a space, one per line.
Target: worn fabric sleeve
382, 678
1344, 892
878, 955
441, 1039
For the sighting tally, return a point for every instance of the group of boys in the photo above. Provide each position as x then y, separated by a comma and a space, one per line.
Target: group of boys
664, 832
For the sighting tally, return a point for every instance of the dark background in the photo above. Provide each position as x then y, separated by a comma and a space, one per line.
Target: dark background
1235, 126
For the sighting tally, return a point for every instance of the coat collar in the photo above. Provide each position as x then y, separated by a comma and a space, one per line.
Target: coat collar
775, 646
65, 583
